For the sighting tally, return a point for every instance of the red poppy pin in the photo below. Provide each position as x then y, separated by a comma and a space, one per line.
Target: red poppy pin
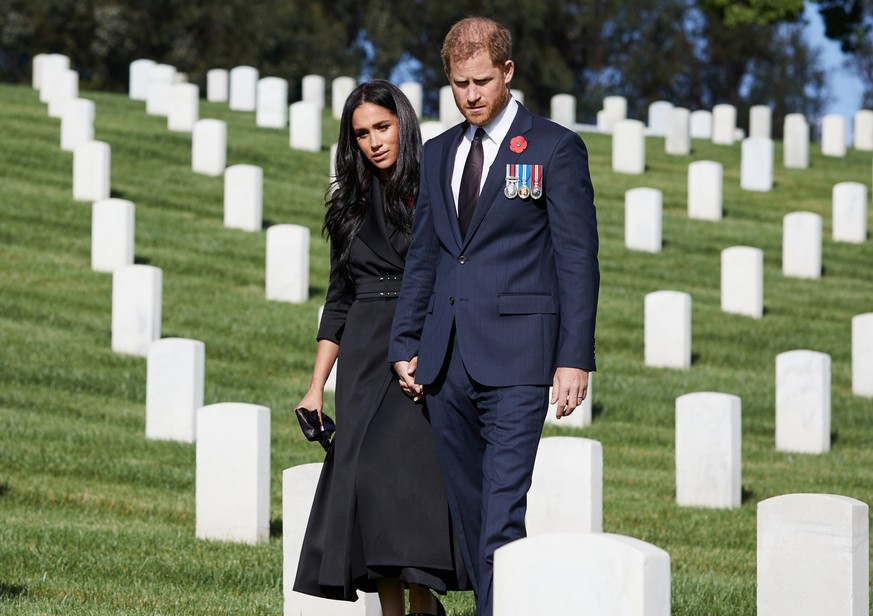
517, 144
407, 200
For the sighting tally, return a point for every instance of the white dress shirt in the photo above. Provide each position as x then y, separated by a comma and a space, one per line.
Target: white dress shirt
495, 133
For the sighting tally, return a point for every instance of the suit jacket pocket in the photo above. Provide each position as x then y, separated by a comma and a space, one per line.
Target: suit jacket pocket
526, 303
430, 303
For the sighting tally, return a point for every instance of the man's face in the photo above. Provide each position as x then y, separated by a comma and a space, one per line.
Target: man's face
481, 89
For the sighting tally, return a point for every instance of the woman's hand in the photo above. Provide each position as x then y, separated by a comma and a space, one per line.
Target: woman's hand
313, 400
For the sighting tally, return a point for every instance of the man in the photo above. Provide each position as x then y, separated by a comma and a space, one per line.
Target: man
499, 294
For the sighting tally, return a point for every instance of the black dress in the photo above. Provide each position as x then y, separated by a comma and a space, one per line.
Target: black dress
380, 509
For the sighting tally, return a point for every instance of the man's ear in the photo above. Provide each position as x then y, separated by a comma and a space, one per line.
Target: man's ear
508, 71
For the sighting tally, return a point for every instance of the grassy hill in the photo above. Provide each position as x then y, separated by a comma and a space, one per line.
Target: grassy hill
95, 519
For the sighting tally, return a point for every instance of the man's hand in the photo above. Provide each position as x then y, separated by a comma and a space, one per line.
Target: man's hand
406, 371
569, 388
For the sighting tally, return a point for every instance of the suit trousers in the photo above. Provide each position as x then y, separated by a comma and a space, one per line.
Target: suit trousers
486, 440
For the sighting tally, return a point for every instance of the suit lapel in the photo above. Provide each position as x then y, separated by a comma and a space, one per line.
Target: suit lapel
495, 181
450, 151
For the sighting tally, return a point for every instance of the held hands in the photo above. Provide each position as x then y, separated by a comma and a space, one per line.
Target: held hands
406, 371
569, 388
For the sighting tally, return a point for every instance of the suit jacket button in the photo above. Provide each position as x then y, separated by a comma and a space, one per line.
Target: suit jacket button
452, 301
462, 259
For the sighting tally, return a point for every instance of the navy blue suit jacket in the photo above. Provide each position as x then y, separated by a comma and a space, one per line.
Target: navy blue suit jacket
522, 286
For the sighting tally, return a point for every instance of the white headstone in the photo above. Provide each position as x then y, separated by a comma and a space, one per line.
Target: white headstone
288, 263
796, 141
708, 450
863, 125
161, 79
850, 212
614, 109
803, 402
760, 120
50, 66
91, 164
833, 135
813, 556
243, 197
216, 85
209, 147
629, 147
678, 141
298, 492
77, 123
431, 129
36, 70
668, 329
330, 384
313, 87
112, 233
742, 281
563, 110
305, 127
64, 88
332, 161
174, 388
566, 574
701, 124
180, 77
517, 95
581, 415
659, 117
801, 245
756, 168
570, 501
862, 355
449, 114
415, 94
243, 88
184, 109
233, 473
136, 308
340, 88
138, 81
705, 190
272, 111
724, 124
643, 219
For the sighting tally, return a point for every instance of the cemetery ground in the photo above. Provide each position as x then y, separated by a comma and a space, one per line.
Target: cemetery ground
95, 519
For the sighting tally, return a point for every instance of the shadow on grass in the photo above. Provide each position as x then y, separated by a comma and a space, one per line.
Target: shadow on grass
596, 409
11, 591
275, 528
746, 495
139, 260
4, 489
116, 194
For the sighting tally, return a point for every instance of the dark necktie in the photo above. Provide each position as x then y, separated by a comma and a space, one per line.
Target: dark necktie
468, 194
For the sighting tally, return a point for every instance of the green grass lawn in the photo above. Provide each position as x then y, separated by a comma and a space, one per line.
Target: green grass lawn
95, 519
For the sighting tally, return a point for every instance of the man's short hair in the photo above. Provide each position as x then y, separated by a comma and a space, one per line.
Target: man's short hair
470, 36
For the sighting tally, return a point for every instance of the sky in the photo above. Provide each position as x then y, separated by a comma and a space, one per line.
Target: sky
846, 88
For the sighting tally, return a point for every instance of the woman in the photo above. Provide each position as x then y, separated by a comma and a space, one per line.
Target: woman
380, 518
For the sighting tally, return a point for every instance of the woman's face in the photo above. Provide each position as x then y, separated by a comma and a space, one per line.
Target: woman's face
377, 132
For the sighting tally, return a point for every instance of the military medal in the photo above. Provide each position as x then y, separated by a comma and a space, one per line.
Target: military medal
511, 187
524, 181
536, 184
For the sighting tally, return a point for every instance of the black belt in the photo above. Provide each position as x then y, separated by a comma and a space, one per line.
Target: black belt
374, 287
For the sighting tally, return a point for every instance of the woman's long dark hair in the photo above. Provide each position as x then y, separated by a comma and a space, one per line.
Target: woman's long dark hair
349, 203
